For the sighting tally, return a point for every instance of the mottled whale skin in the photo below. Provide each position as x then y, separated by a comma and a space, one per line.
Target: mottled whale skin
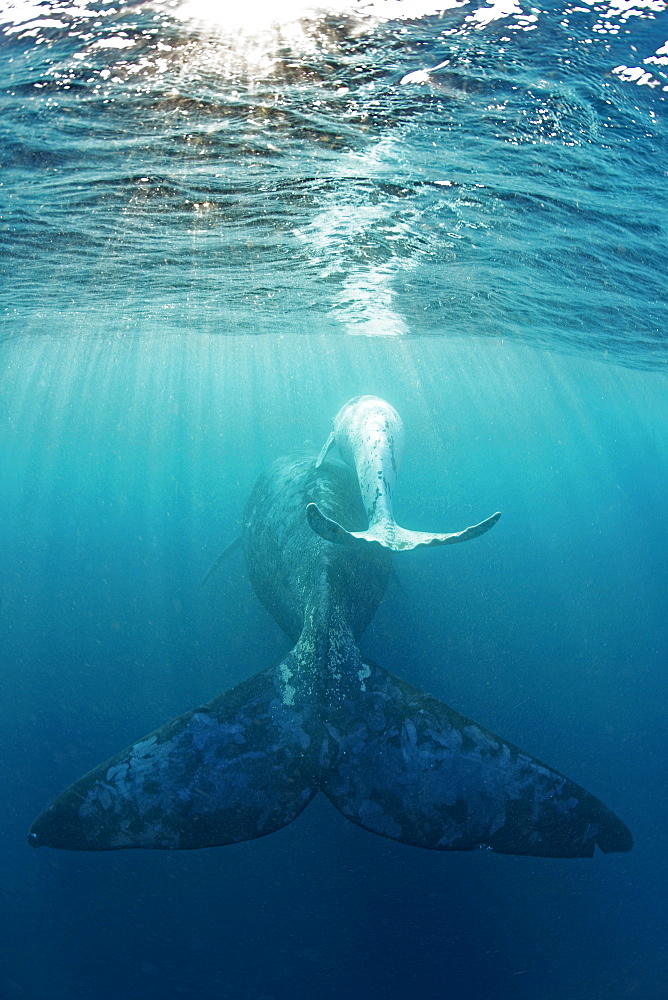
325, 719
369, 434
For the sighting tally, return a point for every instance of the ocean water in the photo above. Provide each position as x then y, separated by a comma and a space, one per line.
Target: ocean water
217, 226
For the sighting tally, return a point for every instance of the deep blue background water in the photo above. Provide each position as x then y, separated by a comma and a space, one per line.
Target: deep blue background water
162, 206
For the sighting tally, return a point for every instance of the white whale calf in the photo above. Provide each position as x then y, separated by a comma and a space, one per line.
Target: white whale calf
369, 434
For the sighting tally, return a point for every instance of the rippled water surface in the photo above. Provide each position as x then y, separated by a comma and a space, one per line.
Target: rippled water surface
381, 168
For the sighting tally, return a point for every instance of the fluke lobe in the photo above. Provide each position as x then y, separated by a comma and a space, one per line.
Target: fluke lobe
326, 719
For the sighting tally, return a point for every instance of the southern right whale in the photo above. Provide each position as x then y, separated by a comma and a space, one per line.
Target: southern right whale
390, 757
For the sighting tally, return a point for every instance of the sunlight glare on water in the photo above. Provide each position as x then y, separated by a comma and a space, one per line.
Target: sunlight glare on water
388, 168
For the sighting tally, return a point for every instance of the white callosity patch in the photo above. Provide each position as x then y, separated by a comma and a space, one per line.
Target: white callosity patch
285, 675
362, 674
123, 793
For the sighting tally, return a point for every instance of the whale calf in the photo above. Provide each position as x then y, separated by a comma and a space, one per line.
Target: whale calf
369, 434
326, 719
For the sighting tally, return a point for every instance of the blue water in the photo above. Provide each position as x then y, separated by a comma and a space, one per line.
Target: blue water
216, 231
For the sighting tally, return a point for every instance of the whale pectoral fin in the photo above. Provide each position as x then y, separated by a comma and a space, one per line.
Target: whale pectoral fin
235, 769
327, 527
232, 547
468, 533
332, 531
406, 766
323, 451
392, 536
389, 534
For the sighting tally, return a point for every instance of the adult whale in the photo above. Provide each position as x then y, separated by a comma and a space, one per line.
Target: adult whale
390, 757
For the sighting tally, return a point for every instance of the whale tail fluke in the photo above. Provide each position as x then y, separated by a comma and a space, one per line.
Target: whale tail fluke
408, 767
391, 758
389, 534
235, 769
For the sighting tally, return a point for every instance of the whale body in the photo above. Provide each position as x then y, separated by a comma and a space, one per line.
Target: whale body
391, 758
